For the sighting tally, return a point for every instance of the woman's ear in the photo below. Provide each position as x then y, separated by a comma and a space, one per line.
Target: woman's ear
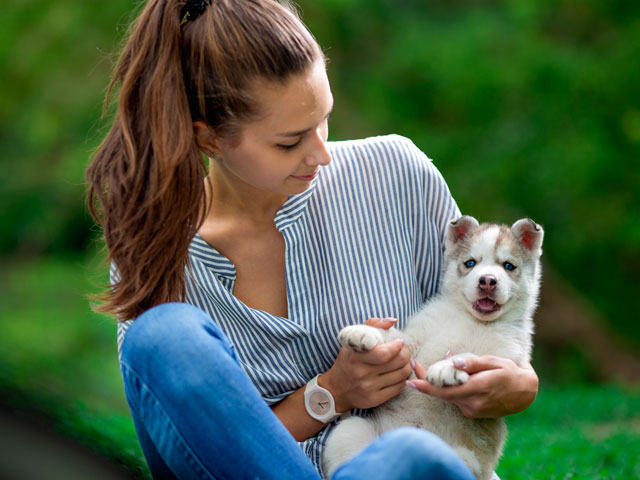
206, 139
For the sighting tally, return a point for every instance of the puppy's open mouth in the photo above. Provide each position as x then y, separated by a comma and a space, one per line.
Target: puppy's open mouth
486, 305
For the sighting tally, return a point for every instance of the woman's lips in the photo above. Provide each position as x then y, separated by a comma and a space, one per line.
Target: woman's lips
306, 178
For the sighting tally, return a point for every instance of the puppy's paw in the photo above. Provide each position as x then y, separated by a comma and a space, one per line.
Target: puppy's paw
444, 374
360, 338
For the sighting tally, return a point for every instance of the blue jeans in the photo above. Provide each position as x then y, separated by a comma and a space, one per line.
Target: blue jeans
198, 416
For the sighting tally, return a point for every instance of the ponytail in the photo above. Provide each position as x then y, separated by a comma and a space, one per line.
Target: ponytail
146, 180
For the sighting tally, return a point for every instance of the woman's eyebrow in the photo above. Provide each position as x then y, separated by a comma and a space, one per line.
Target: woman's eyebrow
293, 134
301, 132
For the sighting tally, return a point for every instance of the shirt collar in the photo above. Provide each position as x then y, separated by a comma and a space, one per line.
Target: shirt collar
290, 212
211, 258
294, 207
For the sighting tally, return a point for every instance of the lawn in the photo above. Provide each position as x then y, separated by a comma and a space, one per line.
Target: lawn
59, 358
575, 431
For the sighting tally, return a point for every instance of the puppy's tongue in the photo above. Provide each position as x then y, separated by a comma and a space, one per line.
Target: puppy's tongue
486, 305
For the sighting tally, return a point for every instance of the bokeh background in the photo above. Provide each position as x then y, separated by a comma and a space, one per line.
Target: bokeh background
528, 107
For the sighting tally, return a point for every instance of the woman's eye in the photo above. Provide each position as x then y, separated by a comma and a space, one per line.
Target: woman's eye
509, 266
289, 147
470, 263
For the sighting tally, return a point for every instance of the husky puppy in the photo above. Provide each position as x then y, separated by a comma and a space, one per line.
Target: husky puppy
487, 297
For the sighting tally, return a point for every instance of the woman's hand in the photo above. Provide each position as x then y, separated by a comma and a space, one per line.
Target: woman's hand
355, 380
496, 387
365, 380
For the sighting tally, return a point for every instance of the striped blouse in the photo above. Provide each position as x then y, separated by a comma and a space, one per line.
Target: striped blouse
365, 240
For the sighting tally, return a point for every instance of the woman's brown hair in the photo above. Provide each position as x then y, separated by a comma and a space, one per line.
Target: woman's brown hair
146, 180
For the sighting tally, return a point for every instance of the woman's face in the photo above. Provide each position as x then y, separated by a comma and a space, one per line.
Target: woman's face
281, 152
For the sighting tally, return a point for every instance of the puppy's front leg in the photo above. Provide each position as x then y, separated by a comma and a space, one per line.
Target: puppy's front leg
444, 373
363, 338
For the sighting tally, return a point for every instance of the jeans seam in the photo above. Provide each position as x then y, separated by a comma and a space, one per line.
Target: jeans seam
187, 452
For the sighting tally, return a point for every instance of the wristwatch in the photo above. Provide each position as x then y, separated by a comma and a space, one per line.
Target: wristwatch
319, 402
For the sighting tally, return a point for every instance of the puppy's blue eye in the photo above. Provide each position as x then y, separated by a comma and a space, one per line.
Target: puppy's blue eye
509, 266
470, 263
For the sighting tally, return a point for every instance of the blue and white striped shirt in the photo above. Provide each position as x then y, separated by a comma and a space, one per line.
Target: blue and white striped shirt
365, 240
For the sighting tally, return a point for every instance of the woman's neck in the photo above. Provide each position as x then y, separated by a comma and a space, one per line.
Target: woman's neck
228, 197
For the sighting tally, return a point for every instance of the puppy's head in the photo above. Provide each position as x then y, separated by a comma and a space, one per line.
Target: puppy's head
493, 269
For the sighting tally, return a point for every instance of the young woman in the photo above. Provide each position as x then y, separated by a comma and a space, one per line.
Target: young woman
231, 284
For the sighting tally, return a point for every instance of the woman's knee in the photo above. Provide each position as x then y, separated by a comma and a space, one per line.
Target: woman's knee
426, 451
171, 331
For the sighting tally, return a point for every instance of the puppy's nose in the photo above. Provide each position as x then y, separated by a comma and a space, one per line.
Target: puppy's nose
488, 283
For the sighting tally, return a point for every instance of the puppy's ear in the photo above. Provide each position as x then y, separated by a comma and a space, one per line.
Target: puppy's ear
458, 229
530, 235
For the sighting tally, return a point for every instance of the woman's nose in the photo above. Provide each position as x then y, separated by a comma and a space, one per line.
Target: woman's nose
319, 154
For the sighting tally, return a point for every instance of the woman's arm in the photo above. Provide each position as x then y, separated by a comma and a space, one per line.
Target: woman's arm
496, 387
293, 415
356, 380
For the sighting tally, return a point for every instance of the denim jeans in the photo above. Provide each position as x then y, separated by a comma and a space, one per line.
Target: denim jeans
198, 416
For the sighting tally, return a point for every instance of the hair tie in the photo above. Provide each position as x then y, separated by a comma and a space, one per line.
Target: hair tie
193, 9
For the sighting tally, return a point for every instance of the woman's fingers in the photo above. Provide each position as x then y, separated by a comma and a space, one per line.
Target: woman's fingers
391, 377
384, 323
419, 369
496, 387
473, 365
383, 353
392, 390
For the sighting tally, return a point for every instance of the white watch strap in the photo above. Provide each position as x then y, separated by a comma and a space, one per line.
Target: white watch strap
313, 387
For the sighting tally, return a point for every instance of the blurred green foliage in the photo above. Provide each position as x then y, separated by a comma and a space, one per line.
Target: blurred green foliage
54, 74
529, 107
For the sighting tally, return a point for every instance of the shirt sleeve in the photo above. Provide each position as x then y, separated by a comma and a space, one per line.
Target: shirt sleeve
122, 328
434, 207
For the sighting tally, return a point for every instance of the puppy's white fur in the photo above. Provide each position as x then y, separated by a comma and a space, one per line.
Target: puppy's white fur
484, 307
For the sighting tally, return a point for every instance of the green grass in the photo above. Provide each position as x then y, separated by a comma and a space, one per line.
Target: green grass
575, 431
59, 358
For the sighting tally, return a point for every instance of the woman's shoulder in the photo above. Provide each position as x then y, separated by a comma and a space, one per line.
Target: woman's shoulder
389, 155
391, 138
395, 144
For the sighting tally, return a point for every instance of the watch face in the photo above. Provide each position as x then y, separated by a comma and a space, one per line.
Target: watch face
319, 403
